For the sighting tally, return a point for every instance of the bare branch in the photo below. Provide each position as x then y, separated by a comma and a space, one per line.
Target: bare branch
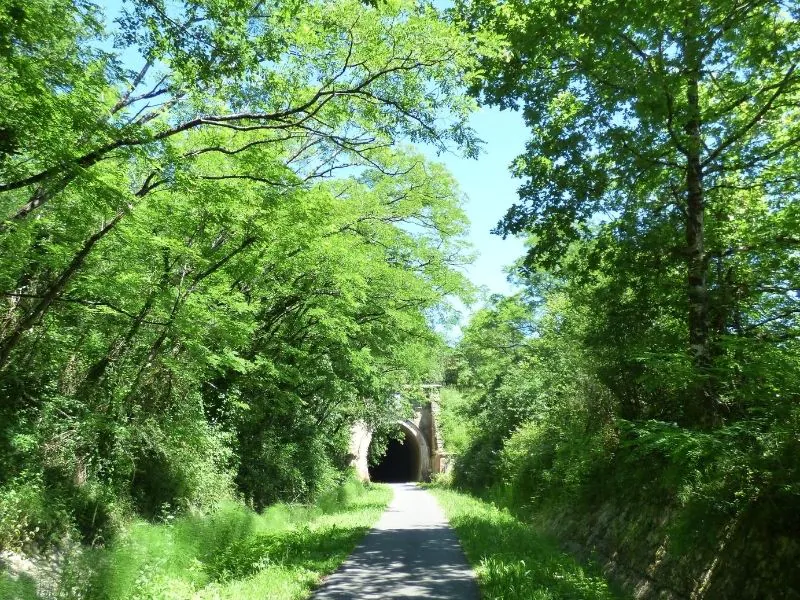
123, 100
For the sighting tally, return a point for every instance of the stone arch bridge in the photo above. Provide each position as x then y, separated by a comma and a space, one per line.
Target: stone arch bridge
417, 457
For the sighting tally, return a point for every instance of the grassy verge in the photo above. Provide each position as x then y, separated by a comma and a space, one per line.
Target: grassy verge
280, 554
513, 561
21, 587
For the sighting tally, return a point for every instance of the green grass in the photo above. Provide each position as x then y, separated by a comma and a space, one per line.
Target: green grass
513, 561
280, 554
17, 588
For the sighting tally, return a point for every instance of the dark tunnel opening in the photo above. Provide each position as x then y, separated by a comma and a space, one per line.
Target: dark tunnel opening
400, 463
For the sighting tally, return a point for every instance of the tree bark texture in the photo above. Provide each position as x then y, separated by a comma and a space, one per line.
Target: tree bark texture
703, 406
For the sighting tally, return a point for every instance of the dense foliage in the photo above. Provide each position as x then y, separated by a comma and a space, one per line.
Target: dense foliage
514, 561
650, 363
216, 250
664, 137
232, 553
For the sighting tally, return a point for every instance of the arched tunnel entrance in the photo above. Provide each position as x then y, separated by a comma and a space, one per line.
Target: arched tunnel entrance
402, 461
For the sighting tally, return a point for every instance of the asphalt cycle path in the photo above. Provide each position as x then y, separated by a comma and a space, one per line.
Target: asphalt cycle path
410, 553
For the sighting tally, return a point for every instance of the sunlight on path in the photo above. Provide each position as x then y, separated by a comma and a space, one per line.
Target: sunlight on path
411, 553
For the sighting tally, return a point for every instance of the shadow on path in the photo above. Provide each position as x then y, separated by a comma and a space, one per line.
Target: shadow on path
411, 553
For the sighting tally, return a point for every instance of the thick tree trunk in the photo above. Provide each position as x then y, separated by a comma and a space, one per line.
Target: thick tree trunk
51, 294
702, 407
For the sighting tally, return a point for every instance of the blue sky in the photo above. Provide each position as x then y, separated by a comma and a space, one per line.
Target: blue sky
490, 191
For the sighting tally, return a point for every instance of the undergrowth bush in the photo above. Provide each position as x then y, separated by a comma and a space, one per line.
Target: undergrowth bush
725, 469
44, 510
476, 469
514, 561
189, 468
24, 513
214, 555
699, 497
176, 465
286, 458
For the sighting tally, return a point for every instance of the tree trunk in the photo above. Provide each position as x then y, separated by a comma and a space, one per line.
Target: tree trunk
98, 370
702, 406
40, 309
119, 347
180, 300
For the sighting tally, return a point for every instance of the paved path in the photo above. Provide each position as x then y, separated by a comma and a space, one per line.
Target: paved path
411, 553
